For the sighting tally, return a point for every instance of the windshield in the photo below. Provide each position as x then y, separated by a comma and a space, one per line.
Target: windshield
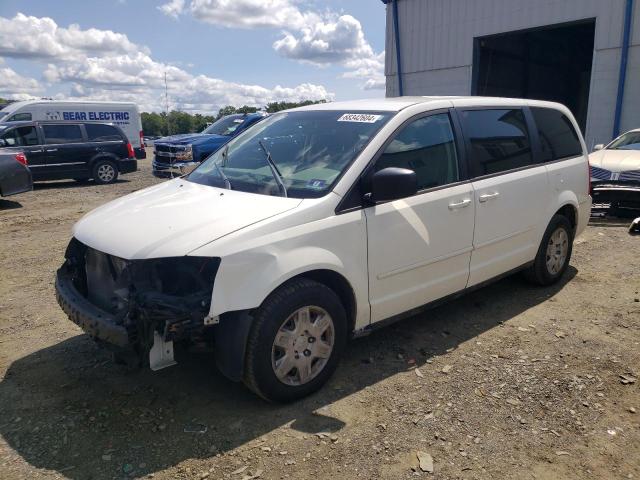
309, 150
225, 126
628, 141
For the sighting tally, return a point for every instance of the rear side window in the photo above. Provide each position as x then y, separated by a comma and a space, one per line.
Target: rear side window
62, 134
19, 117
499, 140
558, 138
102, 133
427, 147
21, 136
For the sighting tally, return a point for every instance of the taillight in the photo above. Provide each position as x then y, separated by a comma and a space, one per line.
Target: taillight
132, 154
589, 178
20, 157
141, 139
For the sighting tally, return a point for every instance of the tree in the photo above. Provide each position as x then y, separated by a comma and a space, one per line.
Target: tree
247, 109
224, 111
278, 106
182, 122
153, 124
200, 122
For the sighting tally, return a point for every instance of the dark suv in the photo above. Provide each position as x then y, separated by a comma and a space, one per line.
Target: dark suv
78, 150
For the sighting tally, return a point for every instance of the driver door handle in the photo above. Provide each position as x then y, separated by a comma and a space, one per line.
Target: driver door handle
52, 150
458, 205
488, 196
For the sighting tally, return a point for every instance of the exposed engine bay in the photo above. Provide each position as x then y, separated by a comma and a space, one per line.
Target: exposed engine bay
157, 301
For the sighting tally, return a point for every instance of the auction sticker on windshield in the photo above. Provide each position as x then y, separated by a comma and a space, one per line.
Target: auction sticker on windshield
359, 117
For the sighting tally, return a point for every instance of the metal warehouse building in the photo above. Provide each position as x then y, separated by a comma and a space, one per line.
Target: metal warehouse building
583, 53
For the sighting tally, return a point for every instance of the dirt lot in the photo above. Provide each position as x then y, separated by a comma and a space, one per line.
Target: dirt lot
508, 382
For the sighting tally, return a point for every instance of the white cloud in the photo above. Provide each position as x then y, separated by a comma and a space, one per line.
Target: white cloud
16, 86
31, 37
336, 40
310, 37
94, 68
250, 13
172, 8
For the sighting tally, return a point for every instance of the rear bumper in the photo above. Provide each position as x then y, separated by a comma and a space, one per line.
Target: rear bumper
128, 166
94, 321
18, 181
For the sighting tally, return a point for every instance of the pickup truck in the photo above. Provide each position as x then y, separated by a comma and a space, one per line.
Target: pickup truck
176, 155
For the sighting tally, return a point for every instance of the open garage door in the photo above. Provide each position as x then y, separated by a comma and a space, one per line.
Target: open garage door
549, 63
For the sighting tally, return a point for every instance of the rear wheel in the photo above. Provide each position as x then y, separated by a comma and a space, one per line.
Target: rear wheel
105, 171
554, 252
296, 341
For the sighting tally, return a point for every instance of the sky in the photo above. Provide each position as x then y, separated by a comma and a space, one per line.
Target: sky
213, 52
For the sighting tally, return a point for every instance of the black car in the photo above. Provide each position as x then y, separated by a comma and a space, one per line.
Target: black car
78, 150
15, 177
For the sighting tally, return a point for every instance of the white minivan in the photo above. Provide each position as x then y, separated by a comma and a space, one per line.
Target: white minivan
321, 223
123, 114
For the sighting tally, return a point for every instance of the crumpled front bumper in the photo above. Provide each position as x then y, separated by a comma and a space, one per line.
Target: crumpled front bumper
93, 320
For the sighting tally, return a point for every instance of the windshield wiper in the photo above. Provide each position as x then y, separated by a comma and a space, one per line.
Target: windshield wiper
274, 169
227, 182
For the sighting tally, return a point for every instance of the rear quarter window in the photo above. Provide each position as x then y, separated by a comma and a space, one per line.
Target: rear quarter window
558, 137
102, 133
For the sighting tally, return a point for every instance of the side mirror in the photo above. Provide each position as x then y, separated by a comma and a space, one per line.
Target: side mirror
599, 146
393, 183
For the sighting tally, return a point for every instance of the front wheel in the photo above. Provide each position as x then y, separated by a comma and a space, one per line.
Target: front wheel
105, 171
296, 341
554, 252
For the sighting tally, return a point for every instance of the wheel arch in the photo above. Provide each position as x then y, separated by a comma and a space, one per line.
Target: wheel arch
102, 156
232, 331
338, 284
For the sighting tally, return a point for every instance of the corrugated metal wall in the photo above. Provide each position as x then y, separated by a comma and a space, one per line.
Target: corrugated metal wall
437, 37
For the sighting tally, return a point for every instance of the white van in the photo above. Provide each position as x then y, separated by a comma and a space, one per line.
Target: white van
327, 221
123, 114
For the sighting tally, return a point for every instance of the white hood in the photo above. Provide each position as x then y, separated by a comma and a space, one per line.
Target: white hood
173, 219
616, 160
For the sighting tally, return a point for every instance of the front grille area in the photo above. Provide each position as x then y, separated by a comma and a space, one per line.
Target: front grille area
600, 173
630, 176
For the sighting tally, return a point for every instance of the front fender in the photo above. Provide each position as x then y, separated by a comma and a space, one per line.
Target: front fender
246, 279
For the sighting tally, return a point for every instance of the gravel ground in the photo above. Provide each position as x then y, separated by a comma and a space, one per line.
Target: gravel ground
511, 381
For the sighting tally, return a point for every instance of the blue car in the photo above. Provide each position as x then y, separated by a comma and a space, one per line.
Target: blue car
178, 154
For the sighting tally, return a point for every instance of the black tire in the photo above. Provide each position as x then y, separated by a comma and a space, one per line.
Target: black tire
259, 375
539, 273
100, 169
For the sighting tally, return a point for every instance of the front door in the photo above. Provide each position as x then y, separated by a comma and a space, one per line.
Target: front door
26, 138
419, 247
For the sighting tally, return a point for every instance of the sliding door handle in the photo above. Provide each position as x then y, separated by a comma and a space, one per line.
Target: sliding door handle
488, 196
458, 205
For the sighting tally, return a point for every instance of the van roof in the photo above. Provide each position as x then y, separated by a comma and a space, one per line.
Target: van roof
16, 105
395, 104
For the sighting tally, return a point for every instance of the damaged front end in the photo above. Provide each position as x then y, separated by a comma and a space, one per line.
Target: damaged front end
139, 306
